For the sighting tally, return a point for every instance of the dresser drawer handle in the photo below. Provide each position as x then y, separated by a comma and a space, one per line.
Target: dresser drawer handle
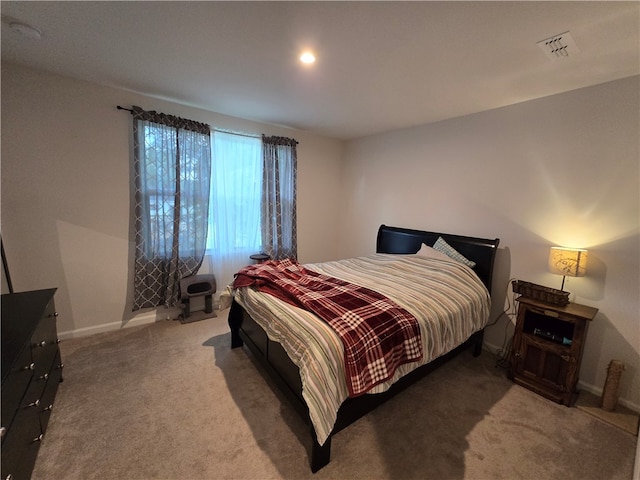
39, 438
44, 376
8, 477
3, 432
61, 366
43, 343
31, 366
54, 314
34, 404
48, 409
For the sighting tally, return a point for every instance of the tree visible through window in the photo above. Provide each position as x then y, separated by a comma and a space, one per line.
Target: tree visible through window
159, 191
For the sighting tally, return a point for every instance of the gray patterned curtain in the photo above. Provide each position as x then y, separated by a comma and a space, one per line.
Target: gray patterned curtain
172, 174
279, 225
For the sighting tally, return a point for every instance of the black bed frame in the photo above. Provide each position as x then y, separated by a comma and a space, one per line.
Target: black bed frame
271, 355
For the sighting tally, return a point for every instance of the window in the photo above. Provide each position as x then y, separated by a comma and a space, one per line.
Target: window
206, 200
236, 179
172, 174
159, 189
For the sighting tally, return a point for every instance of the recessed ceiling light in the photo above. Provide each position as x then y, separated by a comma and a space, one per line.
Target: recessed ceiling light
307, 57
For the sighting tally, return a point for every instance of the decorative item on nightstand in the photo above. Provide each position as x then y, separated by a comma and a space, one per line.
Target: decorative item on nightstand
540, 292
568, 262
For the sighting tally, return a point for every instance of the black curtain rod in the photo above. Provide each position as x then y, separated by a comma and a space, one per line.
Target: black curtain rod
257, 135
214, 129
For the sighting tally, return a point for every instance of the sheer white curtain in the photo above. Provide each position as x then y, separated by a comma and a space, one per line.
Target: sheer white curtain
234, 206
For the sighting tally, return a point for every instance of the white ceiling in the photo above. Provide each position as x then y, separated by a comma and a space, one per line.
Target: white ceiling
381, 65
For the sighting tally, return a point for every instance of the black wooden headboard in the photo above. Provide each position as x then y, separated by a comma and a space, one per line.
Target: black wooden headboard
403, 240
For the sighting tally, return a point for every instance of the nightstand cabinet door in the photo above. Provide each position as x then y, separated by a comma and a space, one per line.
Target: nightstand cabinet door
544, 364
547, 347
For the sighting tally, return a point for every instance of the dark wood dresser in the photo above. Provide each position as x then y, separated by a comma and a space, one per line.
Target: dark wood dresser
31, 372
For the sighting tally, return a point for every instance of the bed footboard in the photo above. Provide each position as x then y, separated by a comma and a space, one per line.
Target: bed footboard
320, 454
272, 357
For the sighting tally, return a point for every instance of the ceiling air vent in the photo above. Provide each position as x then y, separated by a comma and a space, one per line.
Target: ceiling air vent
559, 46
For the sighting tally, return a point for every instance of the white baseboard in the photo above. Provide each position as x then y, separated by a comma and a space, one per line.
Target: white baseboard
141, 319
598, 392
581, 385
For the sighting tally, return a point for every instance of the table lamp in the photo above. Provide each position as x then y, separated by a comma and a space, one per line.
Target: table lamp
571, 262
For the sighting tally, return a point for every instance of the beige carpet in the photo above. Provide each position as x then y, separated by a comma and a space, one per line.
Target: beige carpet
173, 401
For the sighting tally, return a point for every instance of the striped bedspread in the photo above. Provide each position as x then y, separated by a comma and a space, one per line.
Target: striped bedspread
446, 297
377, 334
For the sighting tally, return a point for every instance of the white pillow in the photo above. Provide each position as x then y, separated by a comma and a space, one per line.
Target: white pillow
428, 252
451, 252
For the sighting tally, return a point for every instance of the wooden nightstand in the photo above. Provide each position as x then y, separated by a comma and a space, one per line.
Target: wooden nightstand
547, 347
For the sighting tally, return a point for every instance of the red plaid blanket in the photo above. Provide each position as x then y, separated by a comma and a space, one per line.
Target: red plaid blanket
378, 335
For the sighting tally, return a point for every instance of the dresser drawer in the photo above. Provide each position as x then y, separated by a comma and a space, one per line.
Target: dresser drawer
21, 443
48, 396
44, 337
44, 344
15, 386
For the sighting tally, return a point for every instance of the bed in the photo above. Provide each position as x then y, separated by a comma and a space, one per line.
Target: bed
299, 350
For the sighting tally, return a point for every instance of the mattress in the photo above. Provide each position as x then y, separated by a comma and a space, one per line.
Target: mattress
446, 297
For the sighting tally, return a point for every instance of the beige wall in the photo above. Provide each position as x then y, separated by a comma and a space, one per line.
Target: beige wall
562, 170
66, 192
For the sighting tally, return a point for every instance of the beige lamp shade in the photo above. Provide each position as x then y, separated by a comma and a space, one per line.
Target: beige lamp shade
570, 262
